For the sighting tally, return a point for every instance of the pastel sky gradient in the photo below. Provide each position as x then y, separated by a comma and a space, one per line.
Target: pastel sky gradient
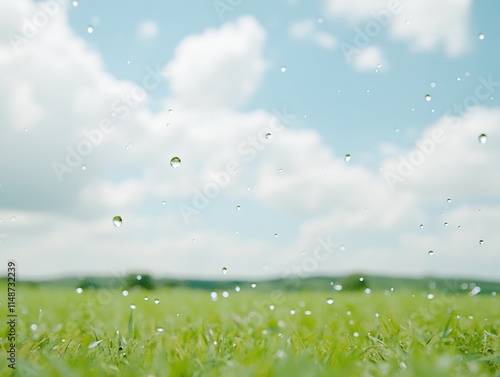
352, 121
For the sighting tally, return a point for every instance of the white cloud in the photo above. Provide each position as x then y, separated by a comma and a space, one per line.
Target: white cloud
147, 29
370, 59
427, 25
221, 67
307, 30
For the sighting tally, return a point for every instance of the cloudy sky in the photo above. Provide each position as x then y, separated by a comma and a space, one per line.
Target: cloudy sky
314, 138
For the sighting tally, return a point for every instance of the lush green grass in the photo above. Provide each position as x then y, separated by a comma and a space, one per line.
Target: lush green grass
378, 334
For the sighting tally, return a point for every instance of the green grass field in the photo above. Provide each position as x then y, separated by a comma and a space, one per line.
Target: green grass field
186, 333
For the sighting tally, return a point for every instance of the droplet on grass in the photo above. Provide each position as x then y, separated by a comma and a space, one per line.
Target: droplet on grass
159, 329
125, 293
156, 301
329, 301
132, 306
213, 296
79, 290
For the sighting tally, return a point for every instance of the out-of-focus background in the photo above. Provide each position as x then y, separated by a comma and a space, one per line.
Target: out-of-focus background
242, 139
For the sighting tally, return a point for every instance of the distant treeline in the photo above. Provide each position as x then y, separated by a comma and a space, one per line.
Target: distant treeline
355, 282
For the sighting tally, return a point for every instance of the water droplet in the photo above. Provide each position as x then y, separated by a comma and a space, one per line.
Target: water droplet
75, 3
237, 288
481, 36
307, 312
90, 29
159, 329
283, 69
467, 74
459, 227
224, 270
268, 135
448, 200
361, 279
163, 203
337, 287
156, 301
421, 226
225, 294
329, 301
79, 290
428, 97
213, 296
175, 162
170, 111
347, 157
125, 293
117, 221
280, 170
132, 306
433, 84
146, 298
84, 167
483, 138
253, 285
128, 61
280, 354
368, 291
319, 20
445, 224
33, 327
481, 242
430, 252
275, 235
238, 207
356, 334
430, 296
396, 129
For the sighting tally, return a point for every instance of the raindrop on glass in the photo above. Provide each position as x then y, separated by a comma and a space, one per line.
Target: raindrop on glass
433, 84
275, 235
75, 3
132, 306
445, 224
430, 252
421, 226
156, 301
175, 162
268, 135
117, 221
448, 200
483, 138
238, 208
283, 69
79, 290
253, 285
481, 242
347, 157
428, 97
224, 270
213, 296
90, 29
481, 36
329, 301
125, 293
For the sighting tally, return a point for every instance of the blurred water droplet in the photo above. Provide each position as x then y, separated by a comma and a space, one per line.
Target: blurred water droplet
433, 84
225, 294
33, 327
163, 203
125, 293
319, 20
213, 296
445, 224
79, 290
146, 298
90, 29
430, 252
170, 111
253, 285
280, 170
481, 36
430, 296
361, 279
159, 329
428, 97
275, 235
448, 200
132, 306
481, 242
396, 130
117, 221
459, 78
483, 138
128, 61
156, 301
175, 162
337, 287
238, 208
237, 288
75, 3
283, 69
268, 135
329, 301
347, 157
224, 270
280, 354
421, 226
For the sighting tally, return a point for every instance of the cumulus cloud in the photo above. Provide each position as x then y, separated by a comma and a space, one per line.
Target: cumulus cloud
369, 59
425, 24
307, 30
147, 29
221, 67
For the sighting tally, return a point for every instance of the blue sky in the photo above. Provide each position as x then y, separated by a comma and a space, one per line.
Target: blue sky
323, 79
